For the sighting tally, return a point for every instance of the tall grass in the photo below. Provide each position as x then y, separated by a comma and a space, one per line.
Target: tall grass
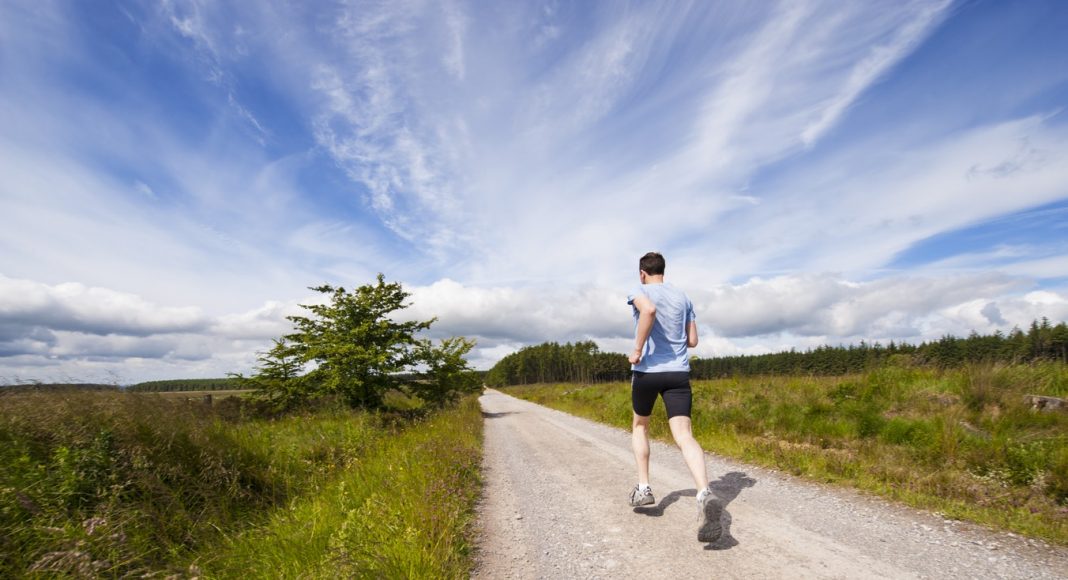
117, 484
402, 510
962, 442
110, 483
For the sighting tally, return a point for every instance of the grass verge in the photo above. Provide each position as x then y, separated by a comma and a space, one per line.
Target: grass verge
404, 509
964, 443
120, 484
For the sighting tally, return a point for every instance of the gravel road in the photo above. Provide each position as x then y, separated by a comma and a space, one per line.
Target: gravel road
555, 506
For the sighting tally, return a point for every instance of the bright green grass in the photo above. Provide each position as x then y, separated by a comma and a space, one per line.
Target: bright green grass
964, 443
117, 484
403, 509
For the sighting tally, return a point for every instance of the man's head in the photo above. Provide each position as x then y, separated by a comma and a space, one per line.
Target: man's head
652, 264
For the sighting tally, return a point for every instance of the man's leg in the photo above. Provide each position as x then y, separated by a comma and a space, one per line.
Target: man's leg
682, 431
639, 440
678, 400
642, 494
709, 510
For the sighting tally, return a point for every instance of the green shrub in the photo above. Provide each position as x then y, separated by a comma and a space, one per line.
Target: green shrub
906, 432
1057, 476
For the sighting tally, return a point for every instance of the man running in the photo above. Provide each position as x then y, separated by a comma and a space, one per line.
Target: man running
665, 325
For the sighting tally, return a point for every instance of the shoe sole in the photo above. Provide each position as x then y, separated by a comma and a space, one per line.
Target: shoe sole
647, 500
711, 528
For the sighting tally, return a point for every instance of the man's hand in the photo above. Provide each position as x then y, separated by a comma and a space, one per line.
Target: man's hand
635, 357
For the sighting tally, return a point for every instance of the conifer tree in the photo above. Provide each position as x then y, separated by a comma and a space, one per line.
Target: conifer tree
355, 348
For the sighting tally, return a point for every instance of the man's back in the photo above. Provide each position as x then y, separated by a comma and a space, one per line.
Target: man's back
665, 351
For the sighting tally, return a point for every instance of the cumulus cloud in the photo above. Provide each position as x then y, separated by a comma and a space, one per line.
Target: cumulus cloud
756, 316
826, 305
90, 310
524, 315
121, 348
63, 326
264, 323
53, 331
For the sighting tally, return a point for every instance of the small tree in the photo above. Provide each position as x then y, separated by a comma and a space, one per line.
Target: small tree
357, 350
446, 376
278, 377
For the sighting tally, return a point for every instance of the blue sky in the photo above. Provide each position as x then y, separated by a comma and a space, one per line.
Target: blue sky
174, 175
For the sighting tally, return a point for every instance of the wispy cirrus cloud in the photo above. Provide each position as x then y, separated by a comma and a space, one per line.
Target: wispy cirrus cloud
764, 94
881, 57
189, 19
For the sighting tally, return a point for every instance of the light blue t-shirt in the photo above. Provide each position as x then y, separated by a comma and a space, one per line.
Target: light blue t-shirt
665, 351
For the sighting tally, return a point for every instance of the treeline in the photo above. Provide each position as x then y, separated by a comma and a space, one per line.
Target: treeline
581, 362
1042, 341
222, 384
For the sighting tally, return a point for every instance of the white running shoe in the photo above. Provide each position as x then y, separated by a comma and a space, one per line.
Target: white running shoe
640, 497
710, 512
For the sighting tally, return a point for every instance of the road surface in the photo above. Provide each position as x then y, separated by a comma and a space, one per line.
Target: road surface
555, 506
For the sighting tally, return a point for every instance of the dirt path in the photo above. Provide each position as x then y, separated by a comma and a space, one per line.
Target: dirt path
555, 506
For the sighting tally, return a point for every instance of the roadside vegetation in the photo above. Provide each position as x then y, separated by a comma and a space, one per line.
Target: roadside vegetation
98, 483
964, 442
402, 507
355, 453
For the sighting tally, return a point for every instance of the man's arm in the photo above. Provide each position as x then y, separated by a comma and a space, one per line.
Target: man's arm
646, 317
691, 334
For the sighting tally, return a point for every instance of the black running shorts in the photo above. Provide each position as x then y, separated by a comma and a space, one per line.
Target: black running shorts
673, 387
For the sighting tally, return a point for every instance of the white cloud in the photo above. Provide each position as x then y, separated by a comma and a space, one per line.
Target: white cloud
261, 324
828, 305
749, 104
1050, 267
879, 60
456, 24
95, 330
527, 315
74, 332
760, 315
855, 210
76, 307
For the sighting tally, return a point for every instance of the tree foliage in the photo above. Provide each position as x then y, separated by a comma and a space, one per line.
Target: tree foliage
221, 384
581, 362
278, 377
1043, 341
447, 375
351, 345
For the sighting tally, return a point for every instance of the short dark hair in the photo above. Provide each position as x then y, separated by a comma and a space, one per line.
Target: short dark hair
652, 263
